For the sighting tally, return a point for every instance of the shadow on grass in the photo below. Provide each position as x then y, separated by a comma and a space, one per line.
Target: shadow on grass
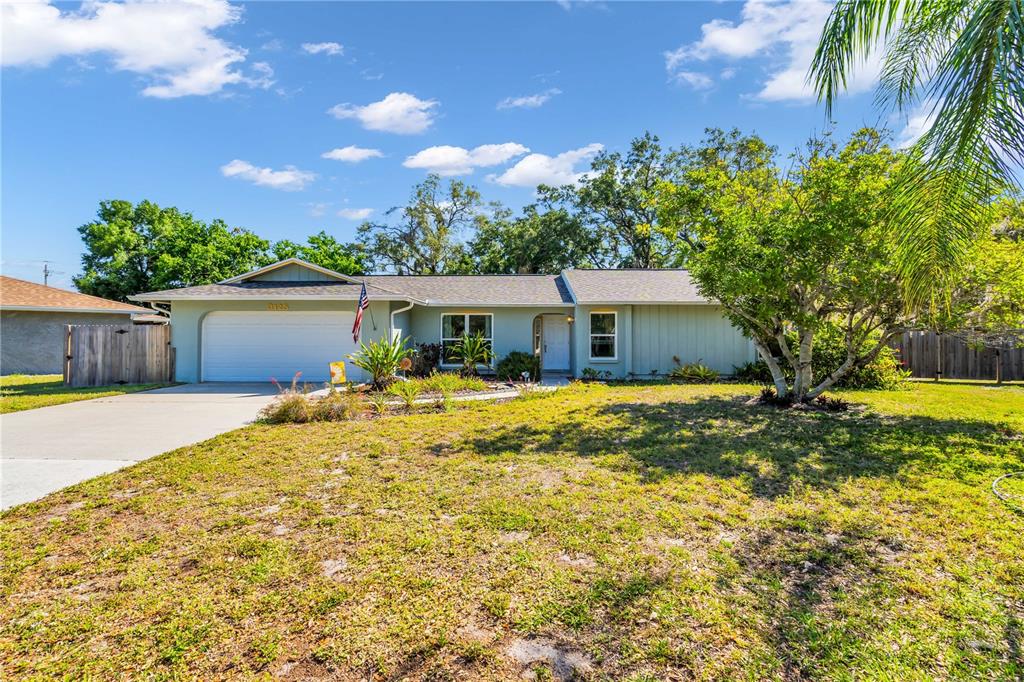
776, 449
796, 561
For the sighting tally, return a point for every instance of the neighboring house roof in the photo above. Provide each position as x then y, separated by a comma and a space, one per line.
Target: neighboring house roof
17, 294
496, 290
605, 287
595, 287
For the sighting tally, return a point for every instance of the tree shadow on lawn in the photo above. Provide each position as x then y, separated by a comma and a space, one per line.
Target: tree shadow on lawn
796, 561
776, 449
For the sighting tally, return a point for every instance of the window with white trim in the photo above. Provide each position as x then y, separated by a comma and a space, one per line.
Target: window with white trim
602, 336
455, 325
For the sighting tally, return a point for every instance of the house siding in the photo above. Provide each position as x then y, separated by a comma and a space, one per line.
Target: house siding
33, 341
648, 336
187, 326
693, 333
512, 328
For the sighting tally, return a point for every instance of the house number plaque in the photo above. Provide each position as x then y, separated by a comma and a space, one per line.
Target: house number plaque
277, 306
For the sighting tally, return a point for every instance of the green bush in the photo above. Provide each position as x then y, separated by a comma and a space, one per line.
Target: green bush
753, 372
591, 374
694, 373
513, 365
381, 359
448, 383
884, 372
408, 391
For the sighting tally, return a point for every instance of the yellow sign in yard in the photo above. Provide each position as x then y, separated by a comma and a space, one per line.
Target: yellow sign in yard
337, 372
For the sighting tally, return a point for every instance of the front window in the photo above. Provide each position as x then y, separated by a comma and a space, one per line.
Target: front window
602, 336
455, 326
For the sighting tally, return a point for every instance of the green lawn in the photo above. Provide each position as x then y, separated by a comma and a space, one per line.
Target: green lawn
29, 391
644, 533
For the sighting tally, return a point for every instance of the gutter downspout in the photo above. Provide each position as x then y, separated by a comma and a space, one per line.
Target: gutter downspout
391, 325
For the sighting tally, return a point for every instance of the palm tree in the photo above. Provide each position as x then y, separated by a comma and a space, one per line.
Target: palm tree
961, 60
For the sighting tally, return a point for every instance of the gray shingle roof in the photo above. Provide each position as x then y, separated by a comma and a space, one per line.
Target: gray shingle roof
588, 286
478, 289
633, 286
334, 290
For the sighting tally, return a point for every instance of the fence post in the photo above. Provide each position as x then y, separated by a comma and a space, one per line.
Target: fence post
938, 356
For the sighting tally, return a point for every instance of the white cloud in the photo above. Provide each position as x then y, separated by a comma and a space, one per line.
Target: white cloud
318, 208
695, 79
782, 35
170, 42
399, 112
529, 101
919, 121
540, 169
330, 49
352, 154
355, 213
448, 160
289, 179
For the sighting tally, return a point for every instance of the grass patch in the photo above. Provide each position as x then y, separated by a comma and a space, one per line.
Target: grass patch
653, 532
29, 391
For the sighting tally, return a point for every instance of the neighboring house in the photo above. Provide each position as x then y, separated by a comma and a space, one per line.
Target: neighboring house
32, 319
294, 316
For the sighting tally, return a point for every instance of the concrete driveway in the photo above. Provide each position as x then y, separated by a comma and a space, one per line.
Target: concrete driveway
49, 448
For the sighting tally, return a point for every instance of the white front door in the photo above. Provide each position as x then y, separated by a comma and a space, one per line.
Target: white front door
258, 346
556, 343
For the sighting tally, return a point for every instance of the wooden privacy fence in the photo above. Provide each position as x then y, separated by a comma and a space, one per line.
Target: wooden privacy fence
930, 355
100, 355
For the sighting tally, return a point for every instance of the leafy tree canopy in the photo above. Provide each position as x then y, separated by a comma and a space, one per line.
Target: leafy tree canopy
132, 248
801, 249
538, 242
425, 238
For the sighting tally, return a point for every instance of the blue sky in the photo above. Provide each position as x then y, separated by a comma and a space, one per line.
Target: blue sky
289, 118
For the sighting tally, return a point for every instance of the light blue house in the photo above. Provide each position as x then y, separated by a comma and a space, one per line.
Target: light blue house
294, 316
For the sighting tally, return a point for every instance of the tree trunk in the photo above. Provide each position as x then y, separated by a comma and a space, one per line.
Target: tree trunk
778, 376
804, 373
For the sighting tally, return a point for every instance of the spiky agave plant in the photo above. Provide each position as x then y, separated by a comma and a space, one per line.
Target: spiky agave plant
472, 351
381, 360
960, 61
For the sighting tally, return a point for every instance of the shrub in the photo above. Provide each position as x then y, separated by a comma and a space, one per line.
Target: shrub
449, 383
379, 402
884, 372
833, 404
694, 373
425, 359
753, 372
293, 407
472, 351
513, 365
408, 391
290, 407
381, 359
591, 374
336, 406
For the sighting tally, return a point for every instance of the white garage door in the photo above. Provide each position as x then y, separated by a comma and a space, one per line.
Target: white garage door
255, 346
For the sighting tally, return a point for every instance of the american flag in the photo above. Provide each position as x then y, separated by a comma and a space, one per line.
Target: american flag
364, 302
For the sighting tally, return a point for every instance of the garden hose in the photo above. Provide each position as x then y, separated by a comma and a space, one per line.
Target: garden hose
1012, 499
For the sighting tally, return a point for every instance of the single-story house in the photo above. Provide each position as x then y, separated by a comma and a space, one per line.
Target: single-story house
294, 316
32, 320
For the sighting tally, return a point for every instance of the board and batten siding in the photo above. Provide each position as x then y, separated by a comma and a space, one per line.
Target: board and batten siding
294, 273
693, 333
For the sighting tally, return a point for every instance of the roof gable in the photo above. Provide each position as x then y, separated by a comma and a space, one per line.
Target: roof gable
290, 270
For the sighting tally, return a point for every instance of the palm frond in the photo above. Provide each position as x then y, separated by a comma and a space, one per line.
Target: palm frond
853, 30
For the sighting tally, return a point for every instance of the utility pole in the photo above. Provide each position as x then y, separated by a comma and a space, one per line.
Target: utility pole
46, 274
